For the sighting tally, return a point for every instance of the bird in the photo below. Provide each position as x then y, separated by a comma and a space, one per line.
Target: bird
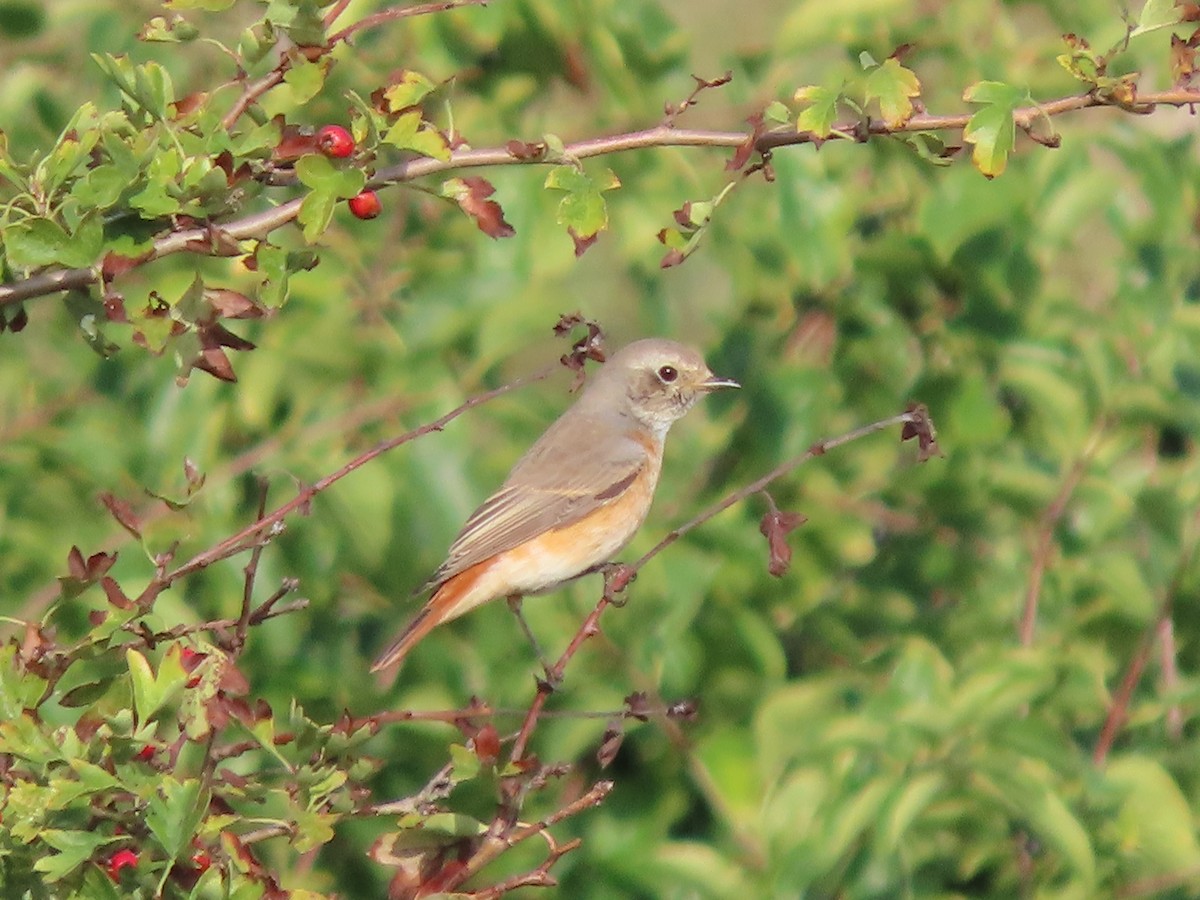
577, 496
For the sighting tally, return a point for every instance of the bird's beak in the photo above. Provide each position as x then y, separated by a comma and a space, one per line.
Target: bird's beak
713, 383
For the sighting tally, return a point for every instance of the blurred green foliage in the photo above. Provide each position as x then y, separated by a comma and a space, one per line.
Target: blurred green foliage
871, 724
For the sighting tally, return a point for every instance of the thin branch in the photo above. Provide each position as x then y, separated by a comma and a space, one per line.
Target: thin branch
1169, 666
618, 576
250, 573
818, 449
259, 224
251, 92
1045, 539
216, 625
400, 12
1118, 710
437, 788
494, 845
260, 530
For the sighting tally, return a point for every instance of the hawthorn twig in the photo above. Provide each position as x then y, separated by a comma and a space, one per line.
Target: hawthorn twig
216, 625
495, 844
250, 573
437, 788
818, 449
253, 534
259, 224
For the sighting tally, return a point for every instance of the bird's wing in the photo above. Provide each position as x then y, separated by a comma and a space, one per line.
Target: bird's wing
575, 468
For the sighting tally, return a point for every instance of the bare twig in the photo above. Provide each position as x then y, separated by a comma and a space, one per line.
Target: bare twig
398, 12
216, 625
1044, 544
818, 449
437, 788
252, 91
250, 572
1119, 708
255, 533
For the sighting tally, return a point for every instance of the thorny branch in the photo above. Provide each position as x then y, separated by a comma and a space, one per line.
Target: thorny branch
259, 224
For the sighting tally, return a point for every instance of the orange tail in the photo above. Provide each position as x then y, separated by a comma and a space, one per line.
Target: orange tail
444, 605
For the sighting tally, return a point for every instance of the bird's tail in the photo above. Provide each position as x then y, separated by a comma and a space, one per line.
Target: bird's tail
423, 623
449, 601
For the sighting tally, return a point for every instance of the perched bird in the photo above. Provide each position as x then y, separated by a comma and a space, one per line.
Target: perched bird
577, 496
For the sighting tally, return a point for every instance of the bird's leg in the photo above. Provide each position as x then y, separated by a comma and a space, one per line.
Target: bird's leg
617, 576
514, 603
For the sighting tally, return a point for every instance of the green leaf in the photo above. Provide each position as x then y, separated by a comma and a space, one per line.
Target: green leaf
174, 813
992, 129
894, 87
411, 133
408, 91
36, 242
1155, 825
313, 829
466, 764
777, 113
306, 80
583, 209
317, 172
74, 848
820, 112
1157, 14
153, 692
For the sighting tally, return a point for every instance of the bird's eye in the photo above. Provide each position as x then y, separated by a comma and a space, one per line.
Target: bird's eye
667, 374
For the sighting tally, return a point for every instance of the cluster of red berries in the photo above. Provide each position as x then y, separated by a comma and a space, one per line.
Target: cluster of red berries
336, 143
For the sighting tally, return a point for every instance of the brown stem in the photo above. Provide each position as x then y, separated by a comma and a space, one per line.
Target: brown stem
261, 529
251, 92
399, 12
250, 573
1044, 544
259, 224
754, 487
494, 845
1119, 708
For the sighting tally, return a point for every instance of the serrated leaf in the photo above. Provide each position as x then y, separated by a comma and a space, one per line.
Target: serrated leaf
820, 110
409, 90
306, 80
583, 210
410, 132
992, 130
152, 692
893, 86
74, 848
174, 812
35, 242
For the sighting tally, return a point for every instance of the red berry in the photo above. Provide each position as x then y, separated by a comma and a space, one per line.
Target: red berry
145, 754
201, 860
335, 141
119, 861
366, 205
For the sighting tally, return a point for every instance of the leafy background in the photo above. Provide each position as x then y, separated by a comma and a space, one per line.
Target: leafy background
872, 723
